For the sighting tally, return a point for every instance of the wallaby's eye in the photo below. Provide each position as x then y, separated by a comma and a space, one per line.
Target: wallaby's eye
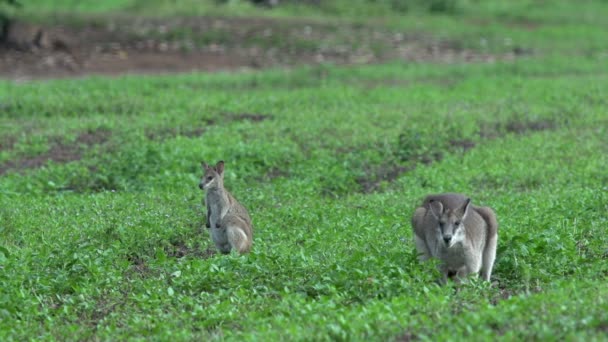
457, 223
209, 178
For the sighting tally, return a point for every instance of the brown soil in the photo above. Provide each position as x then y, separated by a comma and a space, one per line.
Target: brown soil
389, 172
516, 126
275, 172
374, 176
160, 134
134, 45
462, 144
60, 151
7, 142
406, 337
247, 117
171, 132
179, 250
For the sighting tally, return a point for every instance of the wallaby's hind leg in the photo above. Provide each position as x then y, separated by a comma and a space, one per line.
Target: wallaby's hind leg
238, 239
421, 246
488, 257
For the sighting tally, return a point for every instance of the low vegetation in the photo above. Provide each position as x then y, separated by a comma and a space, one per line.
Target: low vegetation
102, 226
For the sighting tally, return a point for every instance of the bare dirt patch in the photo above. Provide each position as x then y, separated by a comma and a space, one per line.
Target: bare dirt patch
462, 144
135, 45
375, 176
182, 250
275, 172
172, 132
60, 151
406, 337
138, 266
7, 142
516, 126
94, 137
164, 133
254, 117
408, 152
503, 294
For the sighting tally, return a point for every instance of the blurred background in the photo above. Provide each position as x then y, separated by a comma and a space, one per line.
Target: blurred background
63, 38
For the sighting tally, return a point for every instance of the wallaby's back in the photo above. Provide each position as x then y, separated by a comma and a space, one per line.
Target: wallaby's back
238, 211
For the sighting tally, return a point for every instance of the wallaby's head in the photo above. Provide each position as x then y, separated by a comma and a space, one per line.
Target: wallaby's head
450, 221
213, 176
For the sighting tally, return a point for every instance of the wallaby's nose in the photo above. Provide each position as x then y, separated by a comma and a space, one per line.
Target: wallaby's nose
447, 238
200, 185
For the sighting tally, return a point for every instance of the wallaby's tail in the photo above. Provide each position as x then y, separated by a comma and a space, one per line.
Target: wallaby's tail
489, 252
490, 217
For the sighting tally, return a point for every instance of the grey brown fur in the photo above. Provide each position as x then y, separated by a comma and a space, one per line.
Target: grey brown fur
228, 221
462, 236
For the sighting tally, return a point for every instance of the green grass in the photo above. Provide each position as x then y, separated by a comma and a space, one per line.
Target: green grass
107, 242
111, 246
538, 27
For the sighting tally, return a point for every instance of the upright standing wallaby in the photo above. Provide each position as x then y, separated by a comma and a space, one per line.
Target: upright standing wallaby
461, 235
228, 221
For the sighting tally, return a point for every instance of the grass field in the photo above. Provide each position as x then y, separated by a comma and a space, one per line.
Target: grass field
101, 222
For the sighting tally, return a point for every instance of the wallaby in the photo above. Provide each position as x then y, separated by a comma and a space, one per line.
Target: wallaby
228, 221
462, 236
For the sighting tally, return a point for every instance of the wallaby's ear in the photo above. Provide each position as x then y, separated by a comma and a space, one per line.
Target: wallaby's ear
204, 165
464, 209
220, 167
436, 208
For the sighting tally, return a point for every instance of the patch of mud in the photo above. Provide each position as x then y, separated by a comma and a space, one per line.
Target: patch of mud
410, 154
138, 266
168, 133
404, 83
164, 133
254, 117
135, 45
522, 127
275, 172
516, 126
406, 337
94, 137
7, 142
60, 151
431, 157
375, 176
503, 294
102, 310
180, 249
463, 145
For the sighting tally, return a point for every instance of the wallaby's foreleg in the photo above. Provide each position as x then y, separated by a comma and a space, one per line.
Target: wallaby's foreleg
207, 222
445, 274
